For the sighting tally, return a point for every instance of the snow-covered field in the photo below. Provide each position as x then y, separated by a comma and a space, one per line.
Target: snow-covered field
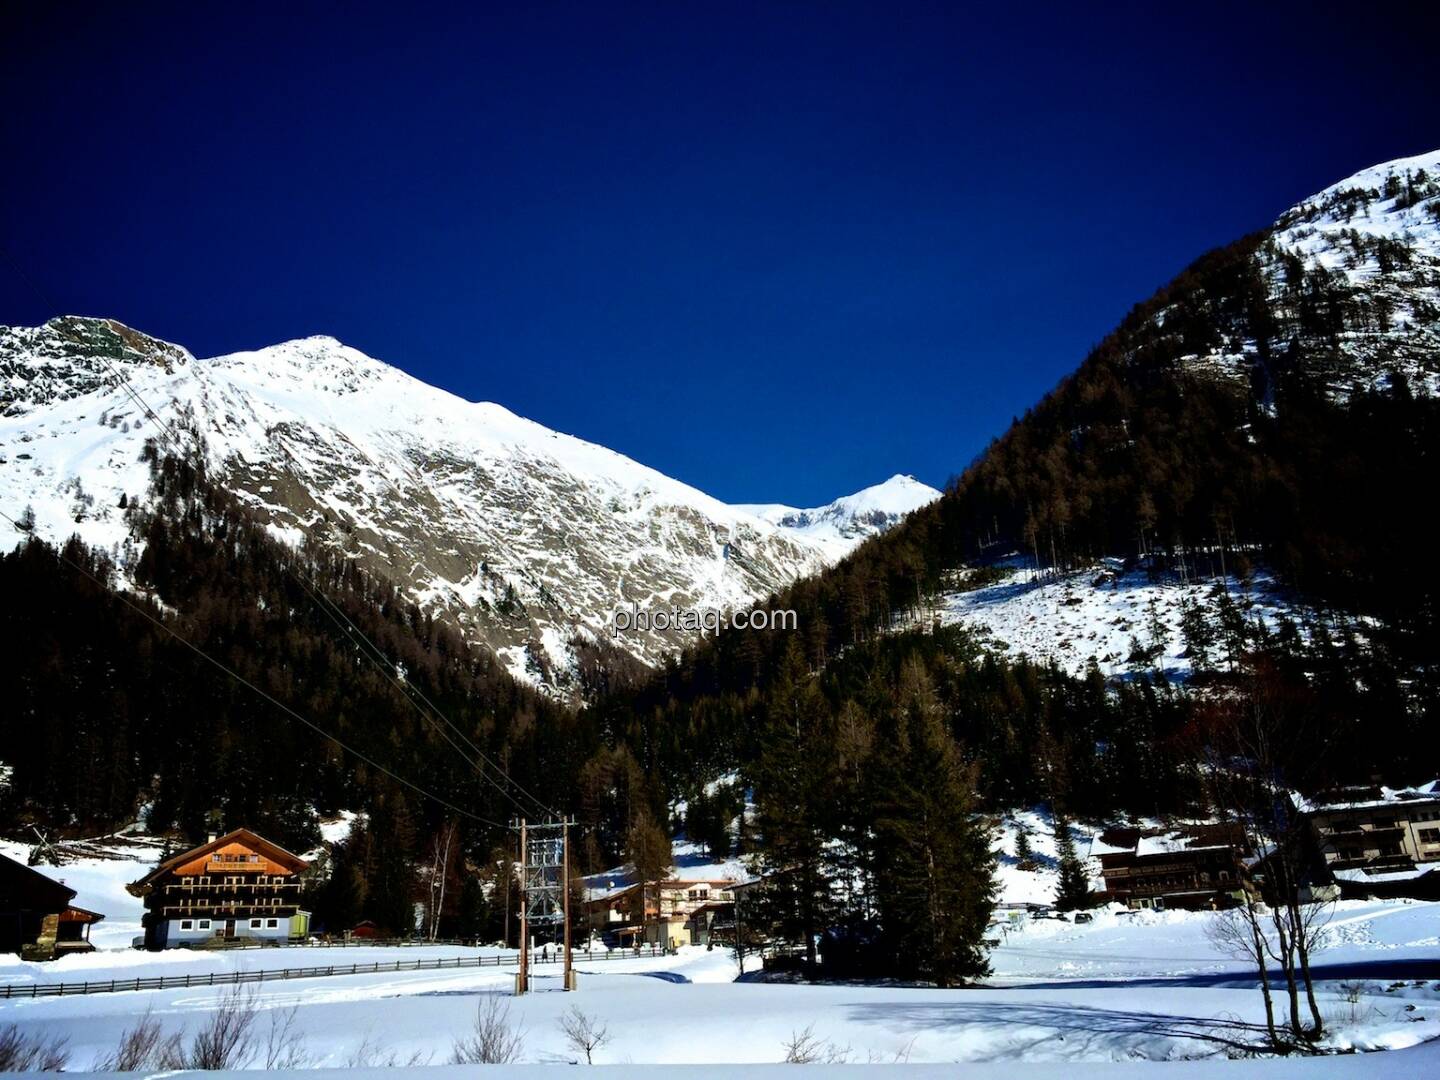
688, 1009
1124, 988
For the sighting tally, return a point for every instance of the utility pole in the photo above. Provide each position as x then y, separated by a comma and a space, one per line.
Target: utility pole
739, 933
522, 979
569, 981
544, 891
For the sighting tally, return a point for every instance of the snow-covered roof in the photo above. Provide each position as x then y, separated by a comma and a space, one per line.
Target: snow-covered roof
1362, 876
1098, 847
1359, 798
1142, 843
1170, 843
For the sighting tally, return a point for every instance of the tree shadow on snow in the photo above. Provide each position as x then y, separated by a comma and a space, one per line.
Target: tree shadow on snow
1088, 1029
1381, 968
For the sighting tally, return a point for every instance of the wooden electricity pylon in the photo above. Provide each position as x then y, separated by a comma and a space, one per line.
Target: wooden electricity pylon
544, 891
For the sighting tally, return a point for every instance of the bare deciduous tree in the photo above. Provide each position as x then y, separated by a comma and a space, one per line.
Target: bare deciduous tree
806, 1048
1238, 933
438, 873
31, 1053
144, 1046
285, 1042
585, 1034
227, 1039
1266, 742
494, 1040
370, 1055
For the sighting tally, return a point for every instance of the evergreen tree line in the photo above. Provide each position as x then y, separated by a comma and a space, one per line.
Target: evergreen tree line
110, 717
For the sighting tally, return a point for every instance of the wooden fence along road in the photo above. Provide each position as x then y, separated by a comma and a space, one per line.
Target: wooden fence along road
233, 978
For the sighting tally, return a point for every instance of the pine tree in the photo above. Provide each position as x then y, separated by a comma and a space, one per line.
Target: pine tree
1024, 855
1198, 634
647, 849
793, 783
391, 871
1074, 888
934, 867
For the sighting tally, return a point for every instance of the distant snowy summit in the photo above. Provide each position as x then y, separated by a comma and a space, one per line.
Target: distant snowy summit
851, 518
524, 538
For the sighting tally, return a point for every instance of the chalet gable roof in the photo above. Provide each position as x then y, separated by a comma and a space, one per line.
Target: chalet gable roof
23, 886
249, 839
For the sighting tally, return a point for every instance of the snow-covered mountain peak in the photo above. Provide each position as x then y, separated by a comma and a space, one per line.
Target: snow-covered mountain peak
1375, 177
851, 518
73, 355
897, 496
525, 538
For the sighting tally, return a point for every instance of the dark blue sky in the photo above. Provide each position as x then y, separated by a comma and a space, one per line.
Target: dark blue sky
779, 252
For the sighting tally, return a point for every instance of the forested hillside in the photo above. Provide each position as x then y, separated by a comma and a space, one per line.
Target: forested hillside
1274, 404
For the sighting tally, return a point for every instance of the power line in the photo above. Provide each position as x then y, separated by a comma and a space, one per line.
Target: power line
168, 432
377, 656
246, 682
382, 664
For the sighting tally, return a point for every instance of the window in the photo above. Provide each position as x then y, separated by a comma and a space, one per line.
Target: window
204, 924
272, 923
1430, 836
254, 924
187, 924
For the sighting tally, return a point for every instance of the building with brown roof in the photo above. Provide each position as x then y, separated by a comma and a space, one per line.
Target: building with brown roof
234, 888
37, 919
1200, 866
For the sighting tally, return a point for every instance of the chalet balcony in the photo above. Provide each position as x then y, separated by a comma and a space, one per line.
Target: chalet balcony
224, 910
1351, 832
1377, 862
223, 886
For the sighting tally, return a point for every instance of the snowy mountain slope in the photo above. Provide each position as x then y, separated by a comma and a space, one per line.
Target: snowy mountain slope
522, 536
1103, 612
1354, 269
848, 520
1341, 294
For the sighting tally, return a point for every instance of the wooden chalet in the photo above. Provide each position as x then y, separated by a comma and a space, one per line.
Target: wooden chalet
1197, 867
234, 888
672, 912
37, 920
